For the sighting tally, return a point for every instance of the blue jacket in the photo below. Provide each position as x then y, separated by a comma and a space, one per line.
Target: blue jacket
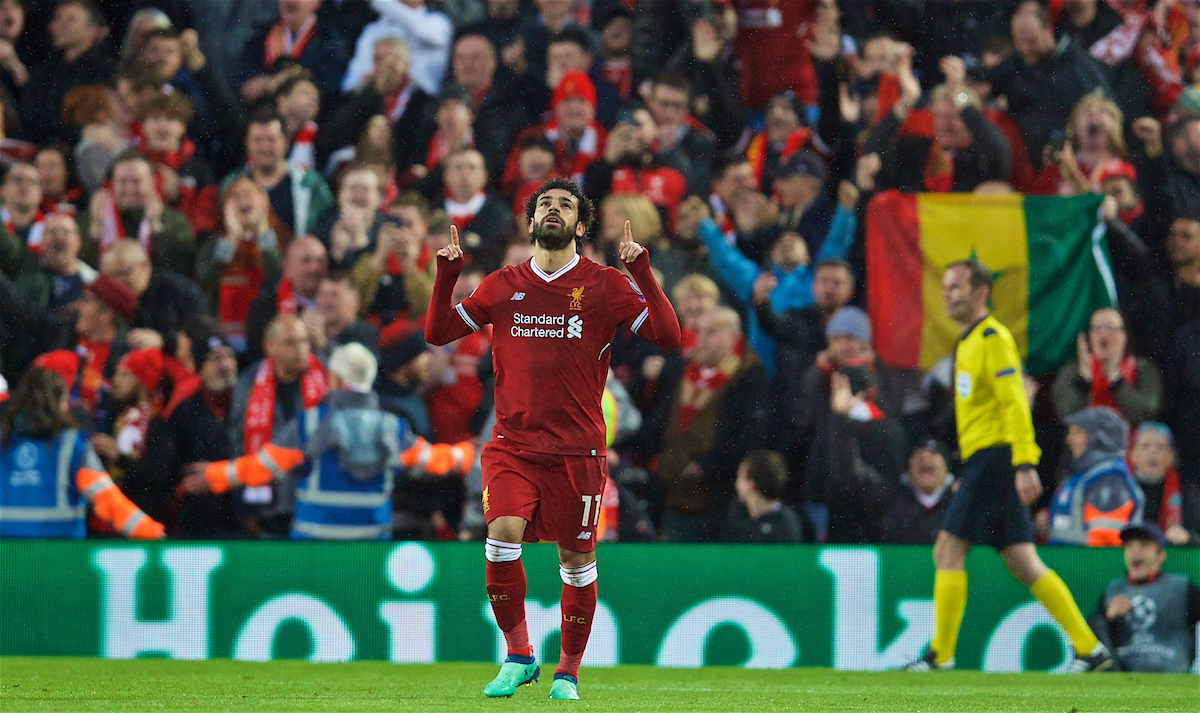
351, 457
794, 290
1092, 508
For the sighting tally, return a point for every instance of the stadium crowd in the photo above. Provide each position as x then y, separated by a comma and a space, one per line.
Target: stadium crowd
203, 200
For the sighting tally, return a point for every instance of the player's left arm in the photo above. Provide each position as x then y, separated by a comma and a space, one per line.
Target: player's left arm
1003, 365
661, 325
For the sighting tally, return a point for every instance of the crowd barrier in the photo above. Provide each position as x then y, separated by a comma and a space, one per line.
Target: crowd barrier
846, 607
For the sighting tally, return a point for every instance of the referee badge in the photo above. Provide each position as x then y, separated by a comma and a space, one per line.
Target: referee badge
962, 383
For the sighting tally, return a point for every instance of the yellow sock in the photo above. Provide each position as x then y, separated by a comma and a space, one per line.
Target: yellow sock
949, 601
1054, 595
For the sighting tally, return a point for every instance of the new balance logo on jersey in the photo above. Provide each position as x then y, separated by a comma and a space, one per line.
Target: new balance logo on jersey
518, 296
575, 327
584, 536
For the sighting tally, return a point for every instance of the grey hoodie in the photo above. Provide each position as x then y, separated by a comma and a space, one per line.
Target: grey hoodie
1108, 434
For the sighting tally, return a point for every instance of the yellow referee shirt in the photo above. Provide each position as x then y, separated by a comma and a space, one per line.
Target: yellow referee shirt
989, 396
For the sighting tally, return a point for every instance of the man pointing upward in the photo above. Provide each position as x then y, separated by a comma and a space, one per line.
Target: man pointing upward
553, 318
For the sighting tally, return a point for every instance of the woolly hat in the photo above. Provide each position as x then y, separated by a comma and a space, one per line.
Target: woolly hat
400, 343
206, 336
63, 362
574, 84
145, 364
850, 321
1117, 169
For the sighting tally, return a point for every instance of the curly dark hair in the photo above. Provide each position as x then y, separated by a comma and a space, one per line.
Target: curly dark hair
587, 211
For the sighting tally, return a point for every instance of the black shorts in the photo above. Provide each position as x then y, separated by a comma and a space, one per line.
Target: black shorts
986, 510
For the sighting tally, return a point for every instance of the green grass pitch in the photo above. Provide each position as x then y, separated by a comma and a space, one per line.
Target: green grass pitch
63, 684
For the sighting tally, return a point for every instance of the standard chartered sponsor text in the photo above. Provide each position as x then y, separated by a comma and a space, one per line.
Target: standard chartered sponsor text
539, 319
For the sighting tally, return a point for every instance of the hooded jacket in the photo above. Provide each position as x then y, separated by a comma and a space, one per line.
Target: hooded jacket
1091, 507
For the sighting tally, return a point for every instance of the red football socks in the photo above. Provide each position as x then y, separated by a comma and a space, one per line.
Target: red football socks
506, 592
578, 608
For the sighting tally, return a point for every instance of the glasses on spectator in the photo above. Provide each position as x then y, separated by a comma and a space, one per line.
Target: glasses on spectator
24, 180
1115, 328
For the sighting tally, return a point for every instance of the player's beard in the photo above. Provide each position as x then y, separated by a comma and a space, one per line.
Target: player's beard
554, 238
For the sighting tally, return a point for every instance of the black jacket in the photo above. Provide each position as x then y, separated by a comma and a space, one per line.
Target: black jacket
844, 463
1041, 97
491, 224
907, 522
778, 526
192, 433
325, 55
410, 134
904, 157
41, 102
167, 303
799, 336
1182, 396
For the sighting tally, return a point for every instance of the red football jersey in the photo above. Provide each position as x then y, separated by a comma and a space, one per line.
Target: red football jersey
551, 345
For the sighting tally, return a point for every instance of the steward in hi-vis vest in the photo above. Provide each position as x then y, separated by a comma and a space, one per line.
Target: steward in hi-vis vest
345, 454
49, 474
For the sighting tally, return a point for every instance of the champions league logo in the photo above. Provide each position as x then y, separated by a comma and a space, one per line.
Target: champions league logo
1143, 614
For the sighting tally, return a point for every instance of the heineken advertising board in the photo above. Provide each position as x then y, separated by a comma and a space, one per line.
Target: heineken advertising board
862, 608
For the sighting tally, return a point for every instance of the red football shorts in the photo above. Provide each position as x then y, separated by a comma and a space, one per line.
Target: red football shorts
559, 496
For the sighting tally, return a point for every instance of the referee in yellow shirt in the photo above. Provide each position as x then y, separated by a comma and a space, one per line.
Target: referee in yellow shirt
998, 479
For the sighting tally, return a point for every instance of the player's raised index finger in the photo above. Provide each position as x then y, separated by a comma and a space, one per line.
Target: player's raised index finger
454, 235
628, 233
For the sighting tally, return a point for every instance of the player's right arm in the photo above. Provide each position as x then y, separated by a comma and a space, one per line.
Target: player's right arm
444, 323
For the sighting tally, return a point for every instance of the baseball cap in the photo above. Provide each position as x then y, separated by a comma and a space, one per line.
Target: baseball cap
803, 163
1144, 531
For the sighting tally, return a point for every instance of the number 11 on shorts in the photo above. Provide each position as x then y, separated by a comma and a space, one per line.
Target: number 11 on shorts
588, 510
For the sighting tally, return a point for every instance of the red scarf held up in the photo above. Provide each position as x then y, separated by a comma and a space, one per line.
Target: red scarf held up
260, 405
1101, 395
276, 45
